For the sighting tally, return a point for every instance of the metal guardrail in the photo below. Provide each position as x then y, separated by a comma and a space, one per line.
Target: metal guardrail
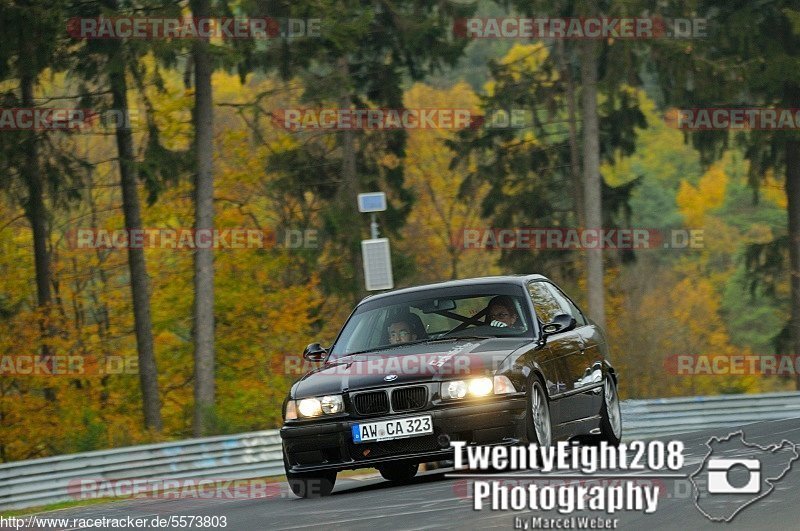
670, 416
55, 479
258, 454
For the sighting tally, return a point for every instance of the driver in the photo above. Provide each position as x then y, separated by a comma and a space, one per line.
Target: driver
501, 312
404, 328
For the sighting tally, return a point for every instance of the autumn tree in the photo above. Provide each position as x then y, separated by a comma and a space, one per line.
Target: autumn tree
744, 61
203, 312
362, 58
436, 225
533, 162
29, 45
110, 62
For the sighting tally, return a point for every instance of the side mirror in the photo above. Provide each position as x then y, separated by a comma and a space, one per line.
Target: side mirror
314, 352
560, 323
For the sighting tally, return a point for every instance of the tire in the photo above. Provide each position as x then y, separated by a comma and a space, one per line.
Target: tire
311, 484
539, 423
610, 415
399, 471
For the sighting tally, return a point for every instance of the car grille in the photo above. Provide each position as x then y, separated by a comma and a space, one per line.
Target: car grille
409, 398
410, 445
374, 403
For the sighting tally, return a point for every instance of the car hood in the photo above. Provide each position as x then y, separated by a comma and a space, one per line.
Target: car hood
423, 362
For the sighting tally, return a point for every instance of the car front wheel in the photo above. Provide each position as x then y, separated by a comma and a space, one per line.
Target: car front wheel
610, 416
539, 425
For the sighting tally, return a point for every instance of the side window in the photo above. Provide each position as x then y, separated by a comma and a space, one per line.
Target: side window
544, 302
567, 305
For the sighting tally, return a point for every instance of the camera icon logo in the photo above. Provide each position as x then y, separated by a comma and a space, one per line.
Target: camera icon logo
718, 482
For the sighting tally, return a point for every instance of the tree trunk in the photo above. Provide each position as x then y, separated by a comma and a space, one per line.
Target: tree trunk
348, 191
35, 209
591, 180
204, 221
574, 149
453, 264
36, 212
140, 285
793, 211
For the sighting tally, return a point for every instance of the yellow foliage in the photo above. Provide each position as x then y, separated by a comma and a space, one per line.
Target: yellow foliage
440, 214
662, 316
696, 202
773, 190
263, 311
523, 58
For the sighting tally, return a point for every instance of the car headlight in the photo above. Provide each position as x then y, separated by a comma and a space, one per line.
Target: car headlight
477, 387
454, 389
480, 386
314, 407
332, 404
309, 407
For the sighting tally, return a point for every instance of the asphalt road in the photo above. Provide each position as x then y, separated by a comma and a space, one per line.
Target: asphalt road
440, 501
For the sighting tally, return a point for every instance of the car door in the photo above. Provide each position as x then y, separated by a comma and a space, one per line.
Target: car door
561, 347
584, 366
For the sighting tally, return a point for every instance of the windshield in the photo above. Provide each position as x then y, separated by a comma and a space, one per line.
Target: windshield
436, 315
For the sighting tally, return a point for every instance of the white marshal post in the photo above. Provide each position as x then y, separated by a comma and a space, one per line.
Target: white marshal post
375, 251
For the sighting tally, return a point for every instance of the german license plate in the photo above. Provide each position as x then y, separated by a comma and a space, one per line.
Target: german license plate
392, 429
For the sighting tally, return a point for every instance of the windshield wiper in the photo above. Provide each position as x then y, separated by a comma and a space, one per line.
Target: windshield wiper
385, 347
407, 343
453, 338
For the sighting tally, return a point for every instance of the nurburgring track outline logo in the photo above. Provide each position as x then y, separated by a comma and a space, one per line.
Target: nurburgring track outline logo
719, 487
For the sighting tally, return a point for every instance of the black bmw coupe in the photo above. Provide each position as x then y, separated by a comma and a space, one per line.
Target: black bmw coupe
495, 360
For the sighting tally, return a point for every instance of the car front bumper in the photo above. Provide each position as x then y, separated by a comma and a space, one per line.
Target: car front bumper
328, 445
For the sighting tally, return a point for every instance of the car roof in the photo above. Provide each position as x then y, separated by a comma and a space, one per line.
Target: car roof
499, 279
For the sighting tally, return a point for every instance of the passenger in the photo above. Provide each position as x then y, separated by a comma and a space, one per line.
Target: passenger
501, 312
